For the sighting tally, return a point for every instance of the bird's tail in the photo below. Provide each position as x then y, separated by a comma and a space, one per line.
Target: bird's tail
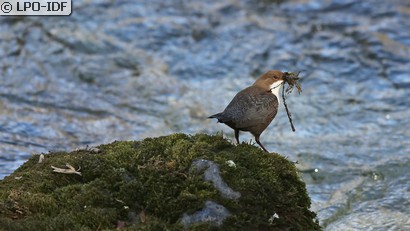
217, 116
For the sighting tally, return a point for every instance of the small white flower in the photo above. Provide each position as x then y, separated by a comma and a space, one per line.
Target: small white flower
230, 163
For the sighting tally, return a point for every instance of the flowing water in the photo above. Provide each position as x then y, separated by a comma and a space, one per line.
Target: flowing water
122, 70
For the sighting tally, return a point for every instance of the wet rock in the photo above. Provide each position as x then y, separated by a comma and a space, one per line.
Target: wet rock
212, 173
213, 213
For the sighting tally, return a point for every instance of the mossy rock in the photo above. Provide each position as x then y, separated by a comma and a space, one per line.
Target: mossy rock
151, 185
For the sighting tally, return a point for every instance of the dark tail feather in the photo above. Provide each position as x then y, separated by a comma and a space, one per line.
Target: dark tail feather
217, 116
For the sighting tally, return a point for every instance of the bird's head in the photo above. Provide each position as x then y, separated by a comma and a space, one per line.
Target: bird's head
270, 81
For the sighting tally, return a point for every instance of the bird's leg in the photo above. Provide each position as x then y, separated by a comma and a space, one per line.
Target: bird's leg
260, 144
237, 135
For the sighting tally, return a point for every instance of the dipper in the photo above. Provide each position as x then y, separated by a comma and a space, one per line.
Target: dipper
254, 108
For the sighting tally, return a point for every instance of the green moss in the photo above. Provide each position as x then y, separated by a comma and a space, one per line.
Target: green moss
149, 185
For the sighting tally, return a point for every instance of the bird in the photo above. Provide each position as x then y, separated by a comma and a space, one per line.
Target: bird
253, 108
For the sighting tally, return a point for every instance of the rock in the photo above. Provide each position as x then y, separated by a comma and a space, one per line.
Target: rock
213, 174
213, 213
173, 182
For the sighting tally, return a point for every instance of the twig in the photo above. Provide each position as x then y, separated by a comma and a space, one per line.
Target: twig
287, 110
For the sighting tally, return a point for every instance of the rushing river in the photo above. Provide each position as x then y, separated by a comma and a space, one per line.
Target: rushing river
124, 70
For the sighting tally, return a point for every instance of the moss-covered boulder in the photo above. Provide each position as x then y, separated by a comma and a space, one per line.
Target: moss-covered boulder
174, 182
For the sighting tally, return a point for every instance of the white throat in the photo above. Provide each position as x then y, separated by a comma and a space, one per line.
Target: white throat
275, 88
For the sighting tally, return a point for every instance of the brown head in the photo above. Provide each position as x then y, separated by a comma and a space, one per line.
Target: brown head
271, 80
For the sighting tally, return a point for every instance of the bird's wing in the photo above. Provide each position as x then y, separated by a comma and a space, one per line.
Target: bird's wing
252, 107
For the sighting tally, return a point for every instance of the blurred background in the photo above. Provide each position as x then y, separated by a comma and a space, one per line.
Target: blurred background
126, 70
